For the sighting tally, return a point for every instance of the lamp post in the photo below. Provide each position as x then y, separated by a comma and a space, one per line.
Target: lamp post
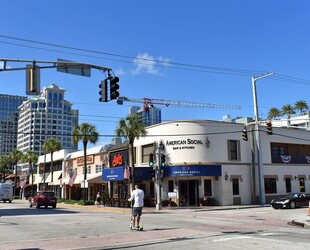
262, 199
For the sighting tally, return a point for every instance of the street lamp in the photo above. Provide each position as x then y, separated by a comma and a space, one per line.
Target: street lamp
257, 137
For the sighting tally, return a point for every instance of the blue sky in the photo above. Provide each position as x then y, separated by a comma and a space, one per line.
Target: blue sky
203, 51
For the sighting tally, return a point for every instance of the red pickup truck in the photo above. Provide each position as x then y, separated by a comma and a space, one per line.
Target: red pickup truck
44, 198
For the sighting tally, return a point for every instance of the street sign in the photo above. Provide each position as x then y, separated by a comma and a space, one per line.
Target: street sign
82, 184
74, 68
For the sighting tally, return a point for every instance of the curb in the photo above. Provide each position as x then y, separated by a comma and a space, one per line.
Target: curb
301, 224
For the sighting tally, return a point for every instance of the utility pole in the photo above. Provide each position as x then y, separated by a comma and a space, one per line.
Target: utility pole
262, 199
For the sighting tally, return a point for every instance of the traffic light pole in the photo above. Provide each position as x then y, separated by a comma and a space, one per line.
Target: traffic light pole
157, 177
262, 198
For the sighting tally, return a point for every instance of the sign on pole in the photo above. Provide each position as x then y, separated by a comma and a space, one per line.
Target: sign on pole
74, 68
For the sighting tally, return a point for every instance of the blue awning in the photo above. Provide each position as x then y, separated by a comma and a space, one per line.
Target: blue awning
193, 170
117, 174
113, 174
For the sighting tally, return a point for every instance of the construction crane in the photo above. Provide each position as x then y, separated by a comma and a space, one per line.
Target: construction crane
149, 103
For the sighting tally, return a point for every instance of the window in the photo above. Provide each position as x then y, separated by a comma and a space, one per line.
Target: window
98, 168
302, 185
170, 186
88, 170
235, 186
270, 185
146, 151
207, 187
288, 185
233, 150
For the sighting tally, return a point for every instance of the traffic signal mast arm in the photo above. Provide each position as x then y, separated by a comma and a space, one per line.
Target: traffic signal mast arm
148, 102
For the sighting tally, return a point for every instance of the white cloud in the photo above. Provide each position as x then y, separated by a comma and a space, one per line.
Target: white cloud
1, 65
146, 63
119, 72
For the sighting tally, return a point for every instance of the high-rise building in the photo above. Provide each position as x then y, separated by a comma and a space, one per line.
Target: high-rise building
9, 122
45, 116
149, 116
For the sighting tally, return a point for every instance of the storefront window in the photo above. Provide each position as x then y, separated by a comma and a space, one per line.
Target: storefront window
270, 185
288, 185
235, 186
207, 188
302, 185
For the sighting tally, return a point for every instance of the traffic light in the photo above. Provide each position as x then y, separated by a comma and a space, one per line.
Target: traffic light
151, 160
163, 160
162, 172
114, 87
269, 127
244, 134
32, 79
152, 173
103, 91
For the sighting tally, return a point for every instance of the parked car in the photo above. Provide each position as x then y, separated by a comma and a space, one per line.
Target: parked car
44, 198
292, 200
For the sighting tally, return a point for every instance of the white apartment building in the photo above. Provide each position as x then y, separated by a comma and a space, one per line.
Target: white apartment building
45, 116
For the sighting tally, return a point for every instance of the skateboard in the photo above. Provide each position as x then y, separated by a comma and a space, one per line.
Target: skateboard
140, 228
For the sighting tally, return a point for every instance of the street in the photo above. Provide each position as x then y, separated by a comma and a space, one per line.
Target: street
69, 227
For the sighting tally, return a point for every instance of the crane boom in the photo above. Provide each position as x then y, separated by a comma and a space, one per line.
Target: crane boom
148, 102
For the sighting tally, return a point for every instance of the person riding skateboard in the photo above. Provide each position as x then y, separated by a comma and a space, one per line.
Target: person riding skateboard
138, 196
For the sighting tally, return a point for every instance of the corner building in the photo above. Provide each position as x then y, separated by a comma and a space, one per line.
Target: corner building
208, 162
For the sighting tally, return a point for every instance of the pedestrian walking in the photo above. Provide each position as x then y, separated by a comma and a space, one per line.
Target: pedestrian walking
138, 196
98, 199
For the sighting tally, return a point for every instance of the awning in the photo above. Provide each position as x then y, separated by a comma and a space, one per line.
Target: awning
57, 182
56, 175
38, 178
95, 178
77, 180
193, 170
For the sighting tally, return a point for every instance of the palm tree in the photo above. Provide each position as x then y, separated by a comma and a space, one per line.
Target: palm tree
288, 110
132, 128
274, 113
15, 156
86, 133
52, 145
4, 162
30, 157
301, 106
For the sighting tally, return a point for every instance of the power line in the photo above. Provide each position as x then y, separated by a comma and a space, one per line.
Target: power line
184, 66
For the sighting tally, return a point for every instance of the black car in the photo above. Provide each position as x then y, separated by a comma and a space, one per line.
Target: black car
292, 200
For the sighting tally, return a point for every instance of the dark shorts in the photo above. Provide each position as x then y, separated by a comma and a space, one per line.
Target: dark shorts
136, 211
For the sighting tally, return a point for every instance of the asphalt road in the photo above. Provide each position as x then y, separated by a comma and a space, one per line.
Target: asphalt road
82, 227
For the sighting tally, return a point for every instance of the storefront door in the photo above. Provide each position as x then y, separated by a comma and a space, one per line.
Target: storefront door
188, 191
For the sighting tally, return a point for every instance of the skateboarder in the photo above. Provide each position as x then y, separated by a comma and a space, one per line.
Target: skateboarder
138, 196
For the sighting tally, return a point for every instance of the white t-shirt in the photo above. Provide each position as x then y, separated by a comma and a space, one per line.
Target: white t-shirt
138, 196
